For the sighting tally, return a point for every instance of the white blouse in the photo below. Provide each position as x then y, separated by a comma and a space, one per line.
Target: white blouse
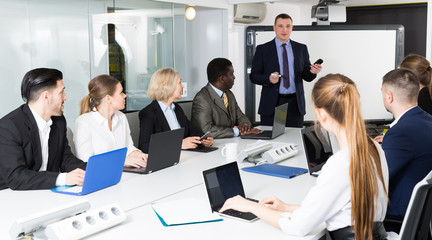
92, 135
329, 200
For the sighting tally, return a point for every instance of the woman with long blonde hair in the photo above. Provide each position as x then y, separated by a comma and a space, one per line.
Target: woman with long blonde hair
350, 194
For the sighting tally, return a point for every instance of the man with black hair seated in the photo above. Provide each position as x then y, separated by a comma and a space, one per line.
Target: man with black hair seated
34, 150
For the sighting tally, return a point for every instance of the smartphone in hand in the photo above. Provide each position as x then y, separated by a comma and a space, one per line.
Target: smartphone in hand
207, 134
319, 61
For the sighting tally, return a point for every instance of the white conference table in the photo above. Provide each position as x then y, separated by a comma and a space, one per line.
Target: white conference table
135, 192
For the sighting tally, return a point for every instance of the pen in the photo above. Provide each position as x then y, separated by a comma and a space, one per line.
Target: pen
274, 74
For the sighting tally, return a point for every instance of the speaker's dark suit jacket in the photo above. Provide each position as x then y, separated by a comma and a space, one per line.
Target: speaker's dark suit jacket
408, 150
21, 156
266, 62
210, 114
152, 120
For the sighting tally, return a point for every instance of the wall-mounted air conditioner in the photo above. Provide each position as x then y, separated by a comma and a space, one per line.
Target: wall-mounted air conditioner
249, 12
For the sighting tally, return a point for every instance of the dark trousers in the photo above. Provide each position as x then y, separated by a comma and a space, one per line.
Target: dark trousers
294, 117
393, 223
347, 233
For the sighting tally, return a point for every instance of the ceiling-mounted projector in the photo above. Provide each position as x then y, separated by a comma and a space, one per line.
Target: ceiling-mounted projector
327, 11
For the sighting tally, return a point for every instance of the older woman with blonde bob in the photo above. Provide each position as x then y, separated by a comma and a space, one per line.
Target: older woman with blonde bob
164, 115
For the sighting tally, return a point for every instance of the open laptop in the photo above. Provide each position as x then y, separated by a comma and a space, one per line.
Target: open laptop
224, 182
278, 125
164, 151
103, 170
317, 147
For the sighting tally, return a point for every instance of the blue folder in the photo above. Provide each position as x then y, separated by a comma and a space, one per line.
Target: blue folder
179, 224
276, 170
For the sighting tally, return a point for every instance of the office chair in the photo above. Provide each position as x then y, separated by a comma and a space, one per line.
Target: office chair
187, 108
134, 125
417, 224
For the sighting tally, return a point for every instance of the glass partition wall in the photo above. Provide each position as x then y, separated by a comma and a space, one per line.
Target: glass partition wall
128, 39
131, 42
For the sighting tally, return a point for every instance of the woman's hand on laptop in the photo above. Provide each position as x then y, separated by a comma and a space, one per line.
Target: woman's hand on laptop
75, 177
276, 204
136, 159
238, 203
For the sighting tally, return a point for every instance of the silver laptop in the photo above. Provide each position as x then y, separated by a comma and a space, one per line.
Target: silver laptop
278, 125
164, 151
317, 147
224, 182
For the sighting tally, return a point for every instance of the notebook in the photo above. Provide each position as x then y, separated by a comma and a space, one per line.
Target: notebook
276, 170
164, 151
184, 211
224, 182
317, 147
103, 170
278, 125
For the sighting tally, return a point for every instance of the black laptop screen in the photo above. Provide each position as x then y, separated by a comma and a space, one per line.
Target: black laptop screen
279, 120
223, 182
316, 143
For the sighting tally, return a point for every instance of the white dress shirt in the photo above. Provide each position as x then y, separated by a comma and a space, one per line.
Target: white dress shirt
44, 132
329, 200
170, 115
92, 135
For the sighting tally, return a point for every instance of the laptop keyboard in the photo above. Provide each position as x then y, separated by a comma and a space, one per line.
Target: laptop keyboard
235, 213
232, 212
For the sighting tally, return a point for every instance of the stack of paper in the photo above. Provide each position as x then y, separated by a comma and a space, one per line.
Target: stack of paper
185, 211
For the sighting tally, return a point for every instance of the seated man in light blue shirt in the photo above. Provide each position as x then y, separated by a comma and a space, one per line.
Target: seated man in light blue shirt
215, 107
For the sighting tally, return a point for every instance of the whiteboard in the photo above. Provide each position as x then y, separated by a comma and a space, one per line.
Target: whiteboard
362, 53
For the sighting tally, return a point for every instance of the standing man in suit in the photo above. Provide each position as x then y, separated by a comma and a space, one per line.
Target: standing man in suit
279, 67
407, 143
215, 108
34, 150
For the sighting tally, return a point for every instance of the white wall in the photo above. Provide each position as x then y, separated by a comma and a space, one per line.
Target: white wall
207, 39
44, 33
